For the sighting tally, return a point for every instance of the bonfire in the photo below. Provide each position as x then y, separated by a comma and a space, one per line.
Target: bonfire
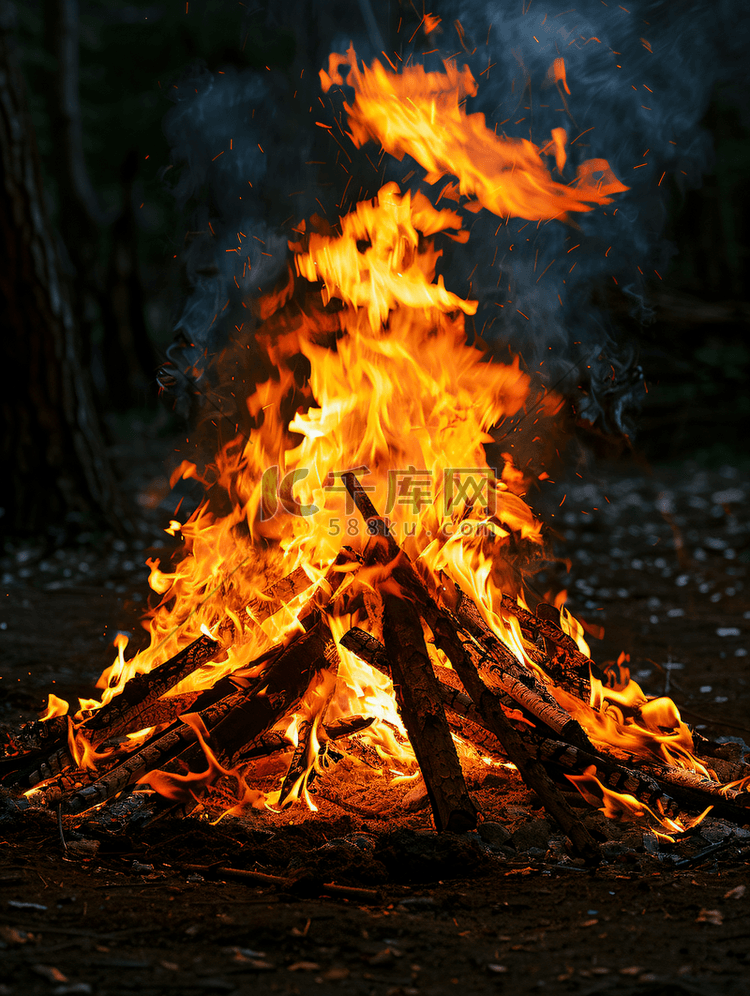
356, 581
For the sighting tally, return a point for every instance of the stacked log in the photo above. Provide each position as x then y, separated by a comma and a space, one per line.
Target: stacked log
452, 677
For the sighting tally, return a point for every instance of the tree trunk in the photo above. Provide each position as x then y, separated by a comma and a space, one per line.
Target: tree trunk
110, 287
55, 468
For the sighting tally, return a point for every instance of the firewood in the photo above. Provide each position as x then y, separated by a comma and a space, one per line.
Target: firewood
497, 663
498, 666
30, 740
137, 707
301, 760
532, 772
615, 776
517, 681
124, 711
417, 695
421, 710
382, 547
566, 664
694, 784
153, 755
279, 594
58, 787
367, 647
163, 711
454, 698
283, 687
298, 764
277, 740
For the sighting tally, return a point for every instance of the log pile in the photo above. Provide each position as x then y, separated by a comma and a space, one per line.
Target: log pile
452, 678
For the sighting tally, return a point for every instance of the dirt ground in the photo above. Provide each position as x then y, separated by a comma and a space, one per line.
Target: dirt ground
659, 559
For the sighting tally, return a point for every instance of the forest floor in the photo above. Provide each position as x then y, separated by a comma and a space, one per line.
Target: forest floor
659, 558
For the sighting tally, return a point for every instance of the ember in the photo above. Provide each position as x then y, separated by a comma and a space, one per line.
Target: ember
355, 581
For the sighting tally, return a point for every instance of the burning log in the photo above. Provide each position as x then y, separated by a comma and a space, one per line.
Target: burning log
276, 741
487, 704
283, 686
455, 700
130, 707
279, 594
562, 659
31, 740
496, 662
494, 659
617, 777
136, 707
147, 759
414, 682
532, 772
421, 709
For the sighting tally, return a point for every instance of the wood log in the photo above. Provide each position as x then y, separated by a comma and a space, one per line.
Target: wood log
283, 686
277, 740
278, 595
532, 772
164, 711
696, 784
298, 764
519, 678
50, 767
499, 667
124, 711
382, 547
614, 775
665, 790
421, 710
153, 755
454, 698
568, 666
58, 787
135, 708
30, 740
497, 663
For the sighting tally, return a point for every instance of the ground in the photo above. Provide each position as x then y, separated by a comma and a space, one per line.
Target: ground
659, 559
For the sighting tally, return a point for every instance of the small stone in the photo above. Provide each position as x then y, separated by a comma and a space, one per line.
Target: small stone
534, 833
493, 834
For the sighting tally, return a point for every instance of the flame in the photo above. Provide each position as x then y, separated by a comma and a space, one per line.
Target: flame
184, 788
420, 114
55, 707
616, 805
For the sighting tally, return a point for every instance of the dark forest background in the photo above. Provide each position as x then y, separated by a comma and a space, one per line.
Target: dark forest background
87, 85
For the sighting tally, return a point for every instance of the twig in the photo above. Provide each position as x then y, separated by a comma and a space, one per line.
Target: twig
701, 856
263, 878
60, 827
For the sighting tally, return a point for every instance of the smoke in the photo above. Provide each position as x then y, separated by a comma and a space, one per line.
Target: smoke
640, 77
255, 152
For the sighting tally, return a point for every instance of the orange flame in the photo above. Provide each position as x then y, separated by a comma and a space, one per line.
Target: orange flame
616, 805
420, 114
55, 707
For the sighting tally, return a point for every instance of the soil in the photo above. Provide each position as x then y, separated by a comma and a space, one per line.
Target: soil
659, 559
